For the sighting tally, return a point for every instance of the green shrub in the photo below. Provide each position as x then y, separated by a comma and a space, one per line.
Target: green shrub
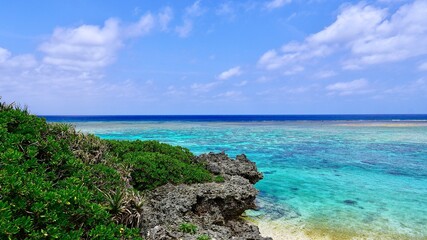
152, 169
48, 189
120, 148
203, 237
218, 179
58, 183
188, 228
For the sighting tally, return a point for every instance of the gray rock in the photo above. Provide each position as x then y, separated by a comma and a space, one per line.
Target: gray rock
215, 208
220, 163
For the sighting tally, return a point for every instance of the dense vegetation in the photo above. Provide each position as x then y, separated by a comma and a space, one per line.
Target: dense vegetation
57, 183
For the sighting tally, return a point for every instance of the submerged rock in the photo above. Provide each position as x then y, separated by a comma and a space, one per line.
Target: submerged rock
350, 202
215, 208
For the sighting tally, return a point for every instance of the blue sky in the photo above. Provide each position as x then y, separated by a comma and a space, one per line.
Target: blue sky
214, 56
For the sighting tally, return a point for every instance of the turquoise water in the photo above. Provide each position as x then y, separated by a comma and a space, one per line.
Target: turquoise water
343, 179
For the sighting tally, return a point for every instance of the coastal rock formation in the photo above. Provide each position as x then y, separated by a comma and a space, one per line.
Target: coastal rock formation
220, 163
214, 208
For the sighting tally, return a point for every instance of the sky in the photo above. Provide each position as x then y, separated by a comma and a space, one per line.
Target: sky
214, 56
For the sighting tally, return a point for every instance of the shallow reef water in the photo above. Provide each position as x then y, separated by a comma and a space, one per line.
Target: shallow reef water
329, 179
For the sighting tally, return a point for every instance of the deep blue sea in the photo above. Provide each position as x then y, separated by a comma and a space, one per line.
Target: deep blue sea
326, 176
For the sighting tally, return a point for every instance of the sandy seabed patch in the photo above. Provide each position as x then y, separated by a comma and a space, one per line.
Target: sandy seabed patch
290, 230
279, 231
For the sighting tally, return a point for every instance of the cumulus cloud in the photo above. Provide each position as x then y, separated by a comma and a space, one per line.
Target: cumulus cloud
366, 34
7, 60
4, 54
90, 47
348, 88
47, 89
232, 72
71, 66
277, 3
84, 47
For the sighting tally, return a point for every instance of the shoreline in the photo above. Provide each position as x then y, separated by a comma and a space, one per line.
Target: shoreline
277, 230
297, 230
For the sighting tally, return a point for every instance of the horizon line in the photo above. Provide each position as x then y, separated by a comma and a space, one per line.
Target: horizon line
273, 114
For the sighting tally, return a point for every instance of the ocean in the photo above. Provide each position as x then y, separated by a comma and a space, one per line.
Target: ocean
325, 176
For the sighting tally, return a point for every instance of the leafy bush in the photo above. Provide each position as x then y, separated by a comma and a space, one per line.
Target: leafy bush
120, 148
155, 169
188, 228
153, 164
203, 237
46, 190
218, 179
61, 184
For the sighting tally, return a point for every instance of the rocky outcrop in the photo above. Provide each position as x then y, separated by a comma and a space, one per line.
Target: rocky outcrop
220, 163
214, 208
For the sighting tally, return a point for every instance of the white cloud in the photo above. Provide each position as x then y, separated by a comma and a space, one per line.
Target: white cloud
296, 90
365, 34
91, 47
271, 60
7, 60
51, 90
325, 74
143, 26
294, 70
165, 16
409, 89
84, 47
231, 95
277, 3
232, 72
352, 23
392, 1
185, 29
423, 66
402, 36
225, 9
194, 10
348, 88
263, 79
288, 92
203, 87
175, 91
4, 55
191, 12
71, 64
241, 84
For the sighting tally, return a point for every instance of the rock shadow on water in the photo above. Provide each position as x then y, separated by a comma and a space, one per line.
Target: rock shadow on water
273, 210
353, 203
396, 172
350, 202
269, 172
